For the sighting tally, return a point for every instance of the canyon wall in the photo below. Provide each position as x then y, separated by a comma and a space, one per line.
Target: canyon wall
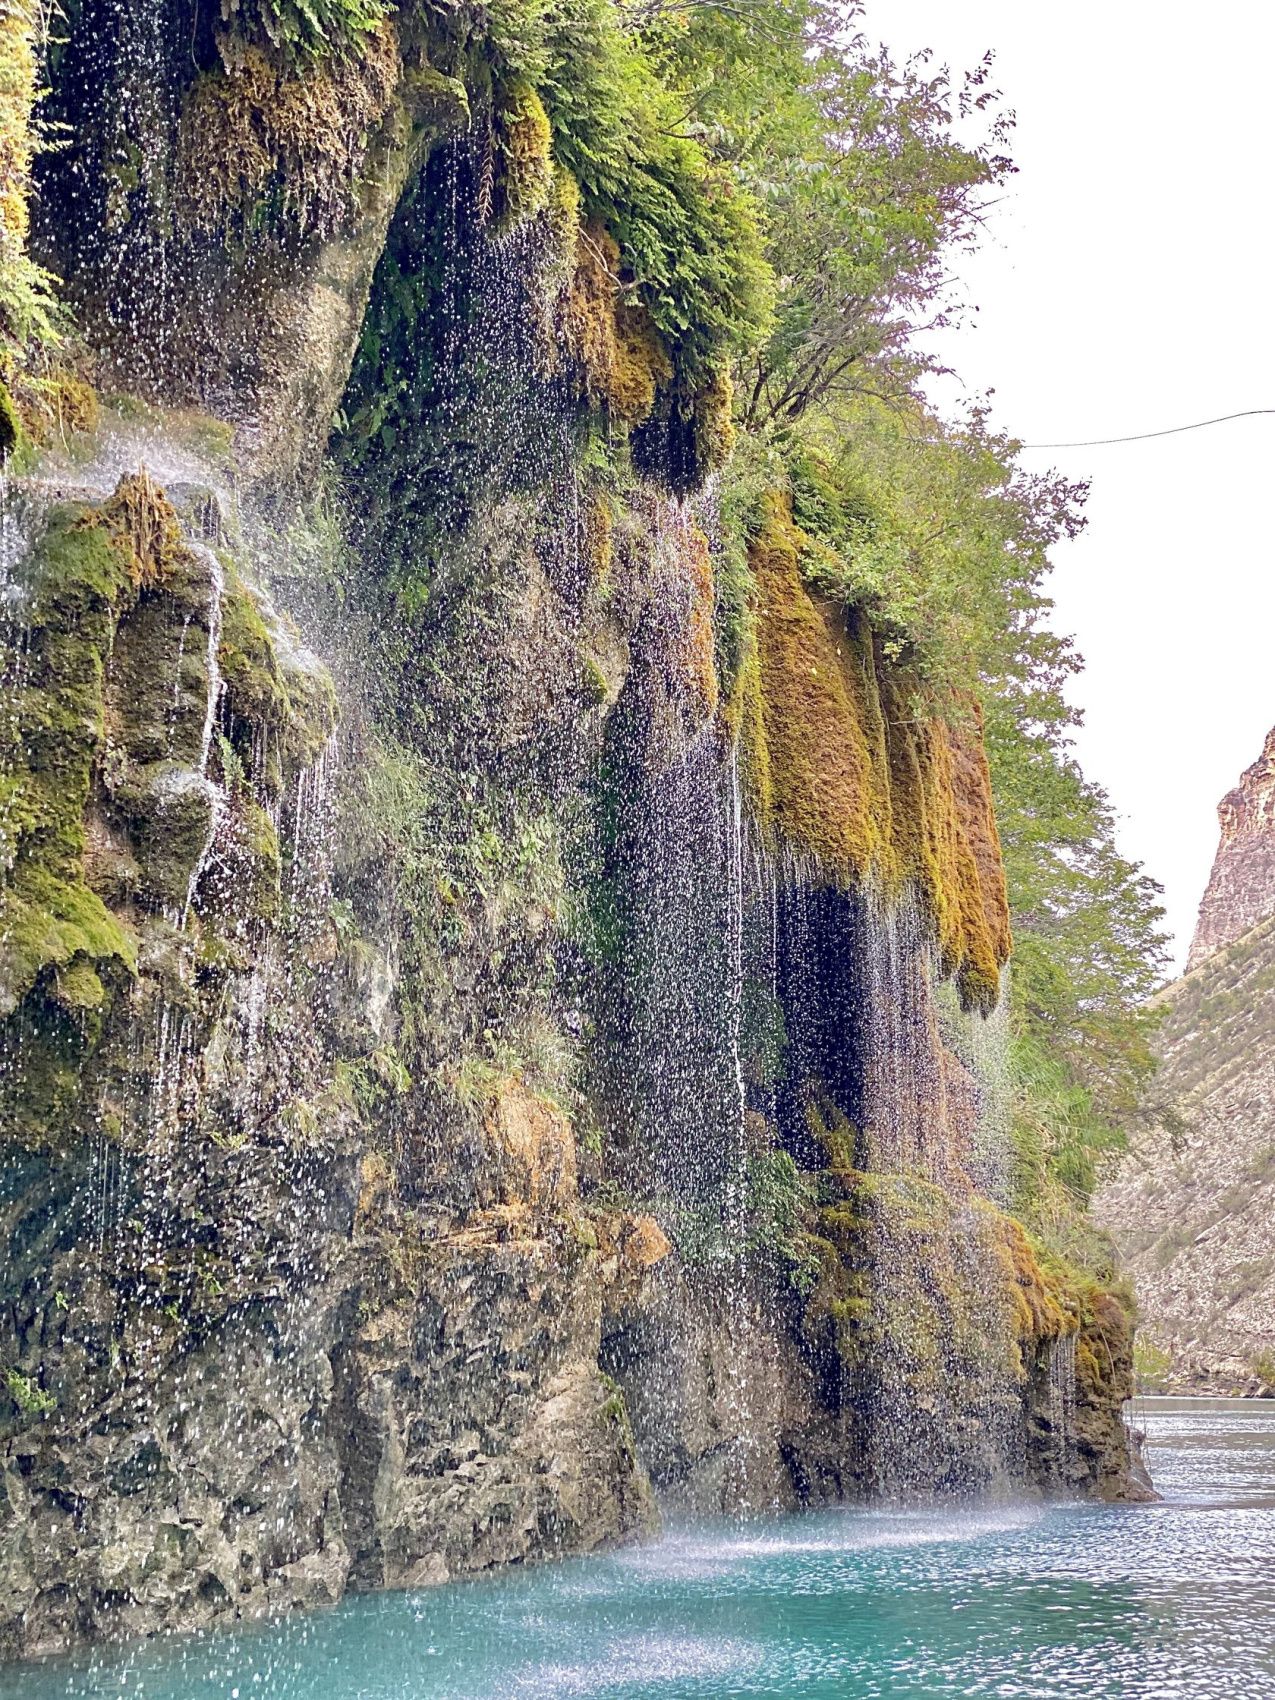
491, 1012
1191, 1203
1241, 888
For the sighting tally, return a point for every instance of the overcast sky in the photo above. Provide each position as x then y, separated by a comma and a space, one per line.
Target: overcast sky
1126, 285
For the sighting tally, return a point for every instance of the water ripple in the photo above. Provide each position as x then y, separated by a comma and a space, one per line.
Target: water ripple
1065, 1602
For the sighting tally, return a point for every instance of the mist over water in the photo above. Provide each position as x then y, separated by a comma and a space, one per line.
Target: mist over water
1175, 1599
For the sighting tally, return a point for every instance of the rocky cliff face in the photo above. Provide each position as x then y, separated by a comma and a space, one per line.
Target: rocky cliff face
487, 1009
1191, 1206
1191, 1210
1241, 888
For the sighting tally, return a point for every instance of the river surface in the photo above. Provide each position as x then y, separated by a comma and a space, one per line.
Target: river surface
1164, 1602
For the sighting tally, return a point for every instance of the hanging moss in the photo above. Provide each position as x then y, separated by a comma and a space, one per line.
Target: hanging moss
57, 403
524, 142
847, 767
265, 143
620, 357
827, 795
143, 527
896, 1290
689, 434
714, 421
693, 658
599, 539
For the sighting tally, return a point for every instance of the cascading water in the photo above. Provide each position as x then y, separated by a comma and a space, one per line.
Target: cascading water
1062, 1408
435, 1130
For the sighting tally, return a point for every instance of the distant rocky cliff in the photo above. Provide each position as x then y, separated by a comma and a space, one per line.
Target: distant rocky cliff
1193, 1208
1241, 890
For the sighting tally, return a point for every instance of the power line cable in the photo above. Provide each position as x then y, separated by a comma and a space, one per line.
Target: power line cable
1145, 436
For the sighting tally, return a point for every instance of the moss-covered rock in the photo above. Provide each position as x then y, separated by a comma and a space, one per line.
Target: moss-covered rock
524, 141
265, 142
119, 805
58, 639
850, 768
938, 1318
280, 703
620, 359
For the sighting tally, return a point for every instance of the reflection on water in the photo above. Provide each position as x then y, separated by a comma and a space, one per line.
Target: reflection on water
1165, 1602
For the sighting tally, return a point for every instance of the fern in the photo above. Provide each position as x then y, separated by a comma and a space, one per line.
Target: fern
306, 28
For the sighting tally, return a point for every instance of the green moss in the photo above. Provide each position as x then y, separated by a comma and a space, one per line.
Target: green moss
524, 141
613, 1414
79, 987
63, 954
202, 435
593, 681
27, 1395
75, 583
845, 763
11, 432
270, 686
52, 922
170, 814
932, 1292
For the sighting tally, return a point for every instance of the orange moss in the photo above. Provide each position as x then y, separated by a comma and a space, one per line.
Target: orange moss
714, 422
56, 404
524, 140
1104, 1348
825, 790
261, 137
599, 538
144, 530
536, 1143
945, 840
855, 772
694, 657
1040, 1312
620, 357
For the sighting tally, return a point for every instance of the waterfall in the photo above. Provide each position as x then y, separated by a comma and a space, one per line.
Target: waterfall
1062, 1408
216, 793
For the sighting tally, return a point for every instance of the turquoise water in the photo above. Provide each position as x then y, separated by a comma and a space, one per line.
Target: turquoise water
1168, 1602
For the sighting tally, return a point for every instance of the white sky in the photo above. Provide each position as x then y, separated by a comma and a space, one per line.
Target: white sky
1126, 285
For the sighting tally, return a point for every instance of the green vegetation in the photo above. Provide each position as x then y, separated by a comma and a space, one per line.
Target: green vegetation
306, 27
30, 1398
29, 316
745, 221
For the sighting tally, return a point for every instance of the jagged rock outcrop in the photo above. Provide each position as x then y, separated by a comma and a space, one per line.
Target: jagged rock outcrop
1241, 888
1191, 1205
255, 1353
258, 205
1192, 1208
